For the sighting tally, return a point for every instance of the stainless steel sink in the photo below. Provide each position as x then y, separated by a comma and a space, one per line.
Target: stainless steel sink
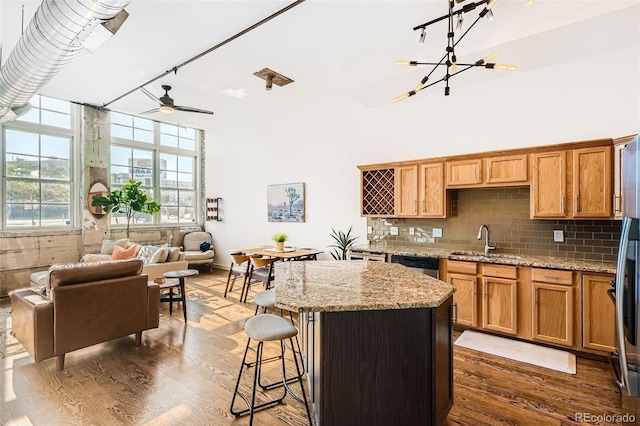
490, 255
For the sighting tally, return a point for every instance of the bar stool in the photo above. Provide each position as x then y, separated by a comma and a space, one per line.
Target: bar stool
266, 328
267, 299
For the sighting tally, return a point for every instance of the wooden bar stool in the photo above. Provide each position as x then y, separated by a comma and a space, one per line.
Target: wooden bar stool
266, 328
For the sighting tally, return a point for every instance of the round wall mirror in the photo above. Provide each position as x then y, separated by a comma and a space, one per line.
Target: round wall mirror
98, 189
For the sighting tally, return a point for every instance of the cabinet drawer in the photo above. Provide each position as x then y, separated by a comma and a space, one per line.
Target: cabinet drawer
552, 276
462, 267
501, 271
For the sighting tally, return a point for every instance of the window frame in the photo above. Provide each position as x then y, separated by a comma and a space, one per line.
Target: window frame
72, 133
157, 148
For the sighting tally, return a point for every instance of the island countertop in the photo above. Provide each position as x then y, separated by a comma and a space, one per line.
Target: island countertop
338, 285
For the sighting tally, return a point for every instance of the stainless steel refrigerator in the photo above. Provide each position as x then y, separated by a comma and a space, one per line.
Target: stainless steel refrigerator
626, 359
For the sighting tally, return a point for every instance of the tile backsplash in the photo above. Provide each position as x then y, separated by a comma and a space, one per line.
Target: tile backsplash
506, 212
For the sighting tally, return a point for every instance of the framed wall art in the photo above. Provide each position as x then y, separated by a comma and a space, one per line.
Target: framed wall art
285, 202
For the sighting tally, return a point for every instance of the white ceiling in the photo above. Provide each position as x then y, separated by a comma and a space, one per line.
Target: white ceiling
329, 48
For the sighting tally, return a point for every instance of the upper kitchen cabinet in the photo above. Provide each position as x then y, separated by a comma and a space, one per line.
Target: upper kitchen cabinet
377, 191
464, 173
572, 184
592, 182
420, 190
548, 185
433, 195
407, 190
618, 146
511, 170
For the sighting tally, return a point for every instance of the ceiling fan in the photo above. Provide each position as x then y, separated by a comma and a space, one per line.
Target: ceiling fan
167, 105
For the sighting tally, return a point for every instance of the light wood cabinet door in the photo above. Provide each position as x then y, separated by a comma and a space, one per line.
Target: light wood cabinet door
407, 191
598, 313
499, 305
510, 169
464, 173
465, 299
548, 185
618, 146
553, 313
592, 182
432, 191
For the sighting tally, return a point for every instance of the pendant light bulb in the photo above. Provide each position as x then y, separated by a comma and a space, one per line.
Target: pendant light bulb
531, 1
506, 67
423, 34
490, 57
399, 98
489, 14
460, 21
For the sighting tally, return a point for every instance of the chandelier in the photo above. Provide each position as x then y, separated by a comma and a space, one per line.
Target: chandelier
449, 59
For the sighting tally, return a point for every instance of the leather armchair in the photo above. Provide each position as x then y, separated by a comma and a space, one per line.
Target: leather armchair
81, 309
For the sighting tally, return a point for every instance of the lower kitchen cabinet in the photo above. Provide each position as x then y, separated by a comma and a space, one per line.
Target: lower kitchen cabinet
598, 313
463, 276
553, 306
500, 298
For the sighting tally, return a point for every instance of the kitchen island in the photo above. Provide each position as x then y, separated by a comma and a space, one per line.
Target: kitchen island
376, 340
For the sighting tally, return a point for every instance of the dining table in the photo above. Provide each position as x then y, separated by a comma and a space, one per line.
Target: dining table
289, 253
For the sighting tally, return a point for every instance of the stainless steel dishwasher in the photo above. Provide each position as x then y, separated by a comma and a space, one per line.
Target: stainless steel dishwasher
429, 265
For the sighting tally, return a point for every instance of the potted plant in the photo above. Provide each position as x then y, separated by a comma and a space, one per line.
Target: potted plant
280, 239
128, 200
343, 242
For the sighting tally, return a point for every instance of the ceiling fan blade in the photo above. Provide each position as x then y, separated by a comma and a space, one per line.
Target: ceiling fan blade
149, 94
190, 109
150, 111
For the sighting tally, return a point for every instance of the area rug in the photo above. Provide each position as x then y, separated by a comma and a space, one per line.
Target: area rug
516, 350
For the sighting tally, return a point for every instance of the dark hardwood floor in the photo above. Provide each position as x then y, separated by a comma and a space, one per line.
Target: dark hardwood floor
185, 375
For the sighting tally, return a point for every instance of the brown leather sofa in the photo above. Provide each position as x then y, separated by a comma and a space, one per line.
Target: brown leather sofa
85, 304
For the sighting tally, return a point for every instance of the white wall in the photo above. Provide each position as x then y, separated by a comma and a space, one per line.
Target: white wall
321, 140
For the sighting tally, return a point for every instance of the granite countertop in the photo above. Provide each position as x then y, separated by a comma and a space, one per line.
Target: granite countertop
503, 259
338, 285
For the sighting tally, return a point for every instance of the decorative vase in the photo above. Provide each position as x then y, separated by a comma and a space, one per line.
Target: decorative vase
280, 245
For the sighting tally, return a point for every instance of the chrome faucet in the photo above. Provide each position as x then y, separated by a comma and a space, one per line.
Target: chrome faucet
487, 245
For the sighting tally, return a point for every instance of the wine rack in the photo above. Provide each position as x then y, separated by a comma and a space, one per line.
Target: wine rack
378, 192
213, 209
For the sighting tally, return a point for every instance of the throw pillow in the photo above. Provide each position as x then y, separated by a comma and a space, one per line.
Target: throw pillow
174, 254
120, 253
107, 245
160, 256
146, 253
205, 245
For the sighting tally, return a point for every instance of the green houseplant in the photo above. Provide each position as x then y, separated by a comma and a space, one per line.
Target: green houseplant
342, 244
128, 200
280, 238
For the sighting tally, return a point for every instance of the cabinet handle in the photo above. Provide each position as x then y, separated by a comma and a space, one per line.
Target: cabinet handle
454, 308
415, 206
577, 204
423, 206
478, 173
562, 204
484, 289
535, 296
488, 172
553, 277
473, 288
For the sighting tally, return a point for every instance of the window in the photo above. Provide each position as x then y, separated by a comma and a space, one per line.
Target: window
37, 166
163, 157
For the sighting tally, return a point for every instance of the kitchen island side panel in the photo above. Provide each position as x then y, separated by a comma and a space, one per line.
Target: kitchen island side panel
386, 367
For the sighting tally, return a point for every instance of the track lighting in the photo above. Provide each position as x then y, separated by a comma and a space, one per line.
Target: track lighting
449, 59
423, 34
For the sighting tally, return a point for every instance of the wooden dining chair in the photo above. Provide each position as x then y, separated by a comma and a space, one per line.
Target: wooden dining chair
239, 268
259, 271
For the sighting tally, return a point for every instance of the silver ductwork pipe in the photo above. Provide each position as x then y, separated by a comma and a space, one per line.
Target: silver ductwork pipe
52, 39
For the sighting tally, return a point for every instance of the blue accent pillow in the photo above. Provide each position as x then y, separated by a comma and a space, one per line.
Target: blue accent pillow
205, 245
